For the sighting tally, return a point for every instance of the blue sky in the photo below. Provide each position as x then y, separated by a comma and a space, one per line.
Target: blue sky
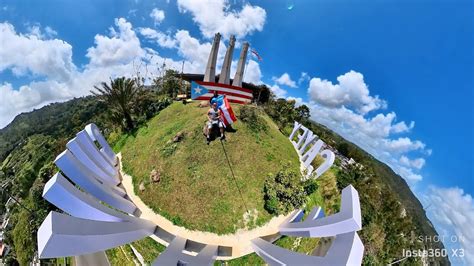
371, 67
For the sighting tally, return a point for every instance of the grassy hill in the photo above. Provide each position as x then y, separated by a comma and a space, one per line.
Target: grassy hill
196, 189
32, 140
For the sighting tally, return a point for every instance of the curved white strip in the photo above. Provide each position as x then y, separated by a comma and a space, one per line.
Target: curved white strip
84, 178
61, 235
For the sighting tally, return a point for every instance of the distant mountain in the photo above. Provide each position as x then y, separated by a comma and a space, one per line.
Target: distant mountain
28, 146
394, 182
56, 120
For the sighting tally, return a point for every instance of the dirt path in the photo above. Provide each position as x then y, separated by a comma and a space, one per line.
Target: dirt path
240, 241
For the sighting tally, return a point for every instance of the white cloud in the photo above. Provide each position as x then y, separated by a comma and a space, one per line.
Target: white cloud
118, 54
162, 39
417, 163
402, 127
298, 100
119, 48
195, 52
253, 74
407, 173
50, 32
25, 53
453, 213
285, 79
351, 91
31, 54
191, 48
304, 77
279, 92
403, 145
157, 15
46, 33
343, 107
214, 16
28, 97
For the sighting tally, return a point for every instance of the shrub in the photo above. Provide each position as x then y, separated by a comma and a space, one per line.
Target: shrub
283, 192
250, 115
310, 186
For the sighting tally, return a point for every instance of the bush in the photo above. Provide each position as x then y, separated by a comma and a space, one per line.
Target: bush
250, 115
271, 204
283, 192
148, 104
310, 186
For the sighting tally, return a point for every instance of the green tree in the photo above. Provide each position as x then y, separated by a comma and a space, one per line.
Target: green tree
284, 112
302, 114
262, 94
168, 84
283, 192
120, 96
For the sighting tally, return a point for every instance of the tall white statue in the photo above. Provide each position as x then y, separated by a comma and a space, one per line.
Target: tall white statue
210, 74
239, 74
224, 78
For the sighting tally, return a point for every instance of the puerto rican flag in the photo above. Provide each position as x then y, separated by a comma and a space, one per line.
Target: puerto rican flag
254, 52
227, 113
201, 90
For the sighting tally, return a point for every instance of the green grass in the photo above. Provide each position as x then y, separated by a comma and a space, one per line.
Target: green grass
196, 188
64, 261
122, 256
299, 244
148, 248
250, 259
325, 196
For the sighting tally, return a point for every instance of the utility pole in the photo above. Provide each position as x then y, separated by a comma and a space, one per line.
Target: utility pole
10, 196
183, 90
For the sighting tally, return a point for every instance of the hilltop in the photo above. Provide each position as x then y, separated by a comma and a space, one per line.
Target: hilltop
29, 144
196, 188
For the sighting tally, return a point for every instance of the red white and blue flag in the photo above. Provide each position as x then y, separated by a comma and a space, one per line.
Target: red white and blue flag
228, 116
254, 52
201, 90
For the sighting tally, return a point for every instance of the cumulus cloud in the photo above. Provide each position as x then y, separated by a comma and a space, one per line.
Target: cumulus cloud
279, 92
52, 58
118, 48
195, 52
298, 100
158, 15
162, 39
453, 213
350, 91
31, 53
285, 79
344, 108
117, 54
253, 74
417, 163
401, 127
29, 97
192, 49
215, 16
